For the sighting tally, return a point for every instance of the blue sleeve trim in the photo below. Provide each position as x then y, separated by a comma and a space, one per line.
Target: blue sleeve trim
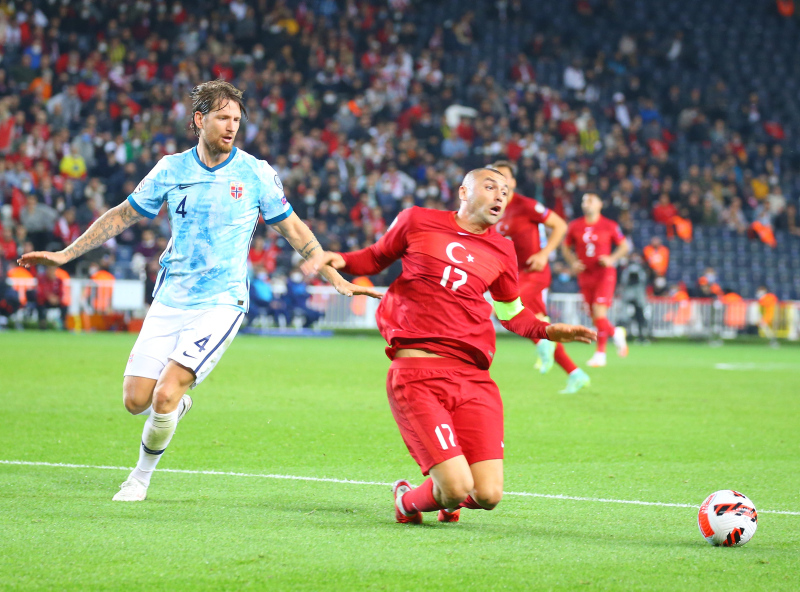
280, 217
140, 209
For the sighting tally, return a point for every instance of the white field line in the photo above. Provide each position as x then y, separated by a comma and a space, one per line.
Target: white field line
356, 482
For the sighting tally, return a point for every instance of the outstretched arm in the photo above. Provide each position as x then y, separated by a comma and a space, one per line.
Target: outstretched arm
107, 226
518, 319
295, 231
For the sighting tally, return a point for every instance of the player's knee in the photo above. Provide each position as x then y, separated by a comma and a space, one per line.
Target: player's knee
165, 399
488, 496
135, 400
453, 493
131, 405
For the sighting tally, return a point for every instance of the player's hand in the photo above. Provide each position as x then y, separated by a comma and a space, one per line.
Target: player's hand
563, 333
346, 288
43, 258
320, 259
605, 261
578, 266
537, 261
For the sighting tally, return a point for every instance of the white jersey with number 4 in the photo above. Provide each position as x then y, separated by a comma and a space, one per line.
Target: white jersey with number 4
213, 212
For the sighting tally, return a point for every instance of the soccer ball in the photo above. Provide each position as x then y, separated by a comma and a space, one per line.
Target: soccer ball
727, 518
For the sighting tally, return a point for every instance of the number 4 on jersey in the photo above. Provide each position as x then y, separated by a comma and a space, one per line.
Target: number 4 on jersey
181, 209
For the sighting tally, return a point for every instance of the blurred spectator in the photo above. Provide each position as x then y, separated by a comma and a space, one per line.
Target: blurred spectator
788, 220
633, 281
656, 255
768, 304
50, 295
733, 217
72, 164
66, 230
297, 300
38, 220
707, 286
664, 210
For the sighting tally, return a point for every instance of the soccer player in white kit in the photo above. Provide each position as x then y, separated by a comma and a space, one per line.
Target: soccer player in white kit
214, 194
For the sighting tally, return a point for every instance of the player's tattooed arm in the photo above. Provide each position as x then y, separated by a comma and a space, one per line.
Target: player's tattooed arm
295, 231
309, 248
107, 226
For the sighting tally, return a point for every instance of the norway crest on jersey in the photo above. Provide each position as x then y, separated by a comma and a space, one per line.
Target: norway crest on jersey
237, 190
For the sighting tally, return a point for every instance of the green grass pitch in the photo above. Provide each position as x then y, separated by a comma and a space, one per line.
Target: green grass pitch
664, 425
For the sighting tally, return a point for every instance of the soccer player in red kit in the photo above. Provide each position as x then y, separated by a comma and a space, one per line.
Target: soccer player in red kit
441, 342
520, 223
592, 238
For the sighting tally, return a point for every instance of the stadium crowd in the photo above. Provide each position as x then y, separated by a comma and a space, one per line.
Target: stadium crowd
358, 106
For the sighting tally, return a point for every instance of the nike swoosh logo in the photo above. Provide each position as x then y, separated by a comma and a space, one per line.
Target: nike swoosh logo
185, 185
188, 356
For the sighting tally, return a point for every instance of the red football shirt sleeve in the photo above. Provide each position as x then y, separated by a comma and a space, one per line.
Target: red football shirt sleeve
525, 324
538, 213
382, 254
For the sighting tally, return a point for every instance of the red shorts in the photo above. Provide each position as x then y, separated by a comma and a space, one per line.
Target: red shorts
445, 408
534, 295
598, 288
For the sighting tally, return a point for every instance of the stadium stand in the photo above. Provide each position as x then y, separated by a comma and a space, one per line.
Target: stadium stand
366, 107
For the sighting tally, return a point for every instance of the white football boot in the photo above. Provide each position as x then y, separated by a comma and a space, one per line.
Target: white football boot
132, 490
598, 360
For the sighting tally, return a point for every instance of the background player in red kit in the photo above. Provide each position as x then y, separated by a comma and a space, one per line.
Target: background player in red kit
592, 238
441, 341
520, 223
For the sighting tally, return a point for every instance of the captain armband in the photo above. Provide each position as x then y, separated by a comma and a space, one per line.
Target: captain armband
506, 311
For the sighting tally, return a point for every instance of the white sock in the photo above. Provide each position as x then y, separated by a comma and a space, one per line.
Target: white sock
158, 431
147, 411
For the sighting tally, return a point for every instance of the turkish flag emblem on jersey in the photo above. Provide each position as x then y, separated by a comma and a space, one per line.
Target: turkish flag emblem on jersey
237, 190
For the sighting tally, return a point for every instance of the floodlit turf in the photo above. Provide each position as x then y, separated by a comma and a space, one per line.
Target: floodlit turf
663, 425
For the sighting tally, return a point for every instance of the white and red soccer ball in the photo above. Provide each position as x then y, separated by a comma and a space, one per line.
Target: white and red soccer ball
727, 518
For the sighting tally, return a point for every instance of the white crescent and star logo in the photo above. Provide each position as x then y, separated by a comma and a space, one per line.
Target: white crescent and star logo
451, 247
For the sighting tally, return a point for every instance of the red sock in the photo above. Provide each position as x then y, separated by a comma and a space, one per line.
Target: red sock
420, 499
471, 504
563, 360
604, 331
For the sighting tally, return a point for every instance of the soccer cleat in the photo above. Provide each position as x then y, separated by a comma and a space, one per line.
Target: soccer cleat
132, 490
546, 351
598, 360
448, 516
400, 488
187, 406
621, 341
576, 380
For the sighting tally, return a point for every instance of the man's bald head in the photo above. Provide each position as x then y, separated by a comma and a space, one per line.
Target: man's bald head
475, 174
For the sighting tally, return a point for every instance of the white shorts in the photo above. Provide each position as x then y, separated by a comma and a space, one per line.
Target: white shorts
195, 339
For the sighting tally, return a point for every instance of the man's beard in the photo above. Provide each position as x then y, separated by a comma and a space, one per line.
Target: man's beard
222, 147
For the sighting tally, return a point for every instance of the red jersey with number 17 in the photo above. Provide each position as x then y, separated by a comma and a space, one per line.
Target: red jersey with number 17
520, 223
590, 241
437, 304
